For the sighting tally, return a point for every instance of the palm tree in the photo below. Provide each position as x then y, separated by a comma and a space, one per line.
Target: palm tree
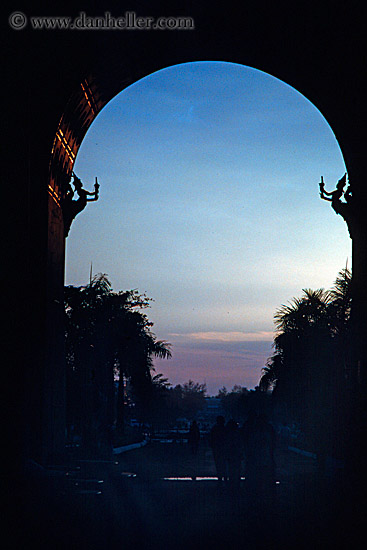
303, 330
106, 333
270, 373
308, 365
134, 361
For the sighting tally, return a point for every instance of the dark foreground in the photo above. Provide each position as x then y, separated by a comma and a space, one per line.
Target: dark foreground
104, 506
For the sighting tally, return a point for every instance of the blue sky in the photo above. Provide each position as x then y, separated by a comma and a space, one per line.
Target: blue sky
209, 203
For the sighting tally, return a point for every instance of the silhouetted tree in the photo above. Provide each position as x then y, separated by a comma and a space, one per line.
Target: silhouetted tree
311, 355
238, 402
155, 410
188, 399
106, 334
234, 402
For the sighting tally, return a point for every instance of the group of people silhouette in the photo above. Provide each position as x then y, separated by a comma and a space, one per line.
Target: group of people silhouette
253, 443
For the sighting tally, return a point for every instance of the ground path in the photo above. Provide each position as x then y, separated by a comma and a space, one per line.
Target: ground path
130, 504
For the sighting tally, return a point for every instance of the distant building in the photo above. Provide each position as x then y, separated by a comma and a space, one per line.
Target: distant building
214, 405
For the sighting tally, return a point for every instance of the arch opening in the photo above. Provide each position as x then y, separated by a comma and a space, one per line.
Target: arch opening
248, 153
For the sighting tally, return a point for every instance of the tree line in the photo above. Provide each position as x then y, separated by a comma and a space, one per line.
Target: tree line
108, 338
110, 347
309, 373
110, 377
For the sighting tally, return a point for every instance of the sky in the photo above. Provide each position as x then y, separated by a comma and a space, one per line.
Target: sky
209, 203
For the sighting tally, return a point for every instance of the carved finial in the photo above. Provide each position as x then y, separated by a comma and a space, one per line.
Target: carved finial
344, 208
71, 208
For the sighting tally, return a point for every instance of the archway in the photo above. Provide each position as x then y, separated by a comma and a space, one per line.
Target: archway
217, 150
63, 149
309, 53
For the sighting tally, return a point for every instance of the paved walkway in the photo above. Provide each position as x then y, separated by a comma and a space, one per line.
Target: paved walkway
130, 504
